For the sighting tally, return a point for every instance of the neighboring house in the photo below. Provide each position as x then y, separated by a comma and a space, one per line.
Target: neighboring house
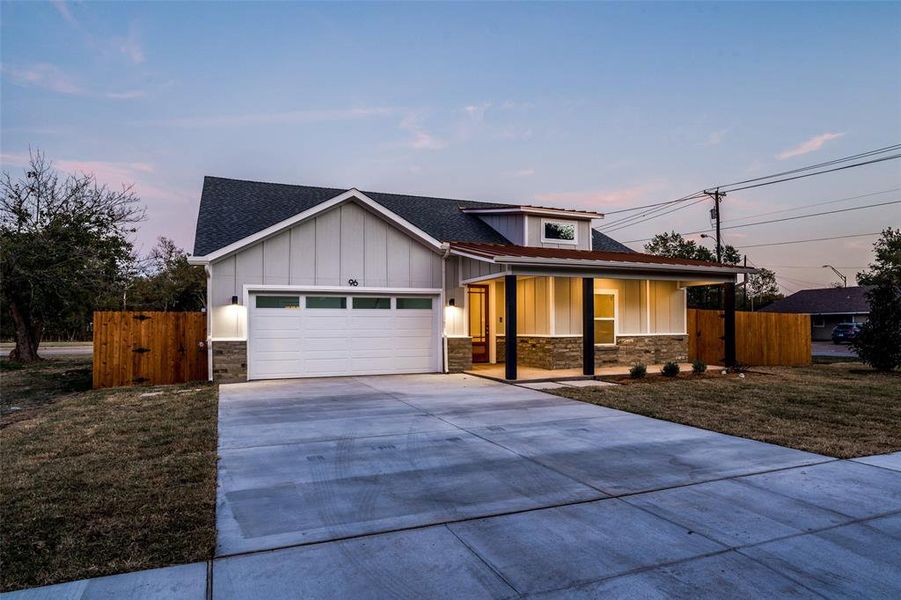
306, 281
827, 308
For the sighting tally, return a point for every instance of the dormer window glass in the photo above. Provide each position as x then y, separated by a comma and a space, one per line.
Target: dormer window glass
558, 232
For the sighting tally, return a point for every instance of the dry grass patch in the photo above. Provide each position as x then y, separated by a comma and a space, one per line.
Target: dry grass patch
106, 481
842, 410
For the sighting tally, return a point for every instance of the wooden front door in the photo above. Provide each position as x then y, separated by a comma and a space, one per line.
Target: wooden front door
478, 322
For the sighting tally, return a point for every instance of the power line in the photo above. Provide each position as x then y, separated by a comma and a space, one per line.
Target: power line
636, 219
819, 165
617, 226
822, 239
622, 210
819, 214
803, 175
784, 210
780, 174
809, 267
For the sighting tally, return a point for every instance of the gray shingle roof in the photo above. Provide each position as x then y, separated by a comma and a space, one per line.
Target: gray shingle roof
599, 241
823, 301
232, 209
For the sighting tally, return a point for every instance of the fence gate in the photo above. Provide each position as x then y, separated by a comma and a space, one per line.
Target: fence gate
761, 339
155, 348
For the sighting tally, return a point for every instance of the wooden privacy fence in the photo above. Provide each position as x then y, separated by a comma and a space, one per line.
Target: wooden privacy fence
149, 347
761, 339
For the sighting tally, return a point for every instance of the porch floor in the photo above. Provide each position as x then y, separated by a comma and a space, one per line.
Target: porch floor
496, 372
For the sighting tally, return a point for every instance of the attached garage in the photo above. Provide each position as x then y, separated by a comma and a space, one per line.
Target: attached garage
294, 334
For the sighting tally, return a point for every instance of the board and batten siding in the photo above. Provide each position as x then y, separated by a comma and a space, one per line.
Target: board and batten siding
346, 242
666, 314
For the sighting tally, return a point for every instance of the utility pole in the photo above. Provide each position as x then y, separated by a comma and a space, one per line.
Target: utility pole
715, 214
727, 291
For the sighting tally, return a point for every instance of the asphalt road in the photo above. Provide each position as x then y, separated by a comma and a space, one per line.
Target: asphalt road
46, 351
830, 349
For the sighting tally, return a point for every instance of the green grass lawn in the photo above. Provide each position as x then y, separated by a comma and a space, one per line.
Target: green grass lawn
97, 482
842, 410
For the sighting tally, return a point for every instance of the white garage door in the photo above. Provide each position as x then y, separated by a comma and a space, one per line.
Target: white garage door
309, 335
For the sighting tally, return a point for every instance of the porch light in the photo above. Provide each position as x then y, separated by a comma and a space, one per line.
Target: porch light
234, 300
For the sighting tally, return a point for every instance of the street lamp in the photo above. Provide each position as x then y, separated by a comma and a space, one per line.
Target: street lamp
837, 272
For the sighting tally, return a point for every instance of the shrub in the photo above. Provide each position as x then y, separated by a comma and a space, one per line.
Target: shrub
670, 369
698, 367
638, 371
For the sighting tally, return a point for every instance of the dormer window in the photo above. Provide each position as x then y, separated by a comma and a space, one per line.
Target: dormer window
558, 232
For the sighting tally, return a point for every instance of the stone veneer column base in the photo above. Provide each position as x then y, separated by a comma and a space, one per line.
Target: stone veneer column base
646, 349
459, 354
229, 362
544, 352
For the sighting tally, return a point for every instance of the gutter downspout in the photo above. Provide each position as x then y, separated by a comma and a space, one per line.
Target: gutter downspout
209, 321
446, 247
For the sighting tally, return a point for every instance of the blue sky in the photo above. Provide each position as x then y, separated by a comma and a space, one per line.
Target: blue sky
599, 106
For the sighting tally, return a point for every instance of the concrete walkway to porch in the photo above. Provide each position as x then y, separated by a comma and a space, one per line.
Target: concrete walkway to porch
496, 372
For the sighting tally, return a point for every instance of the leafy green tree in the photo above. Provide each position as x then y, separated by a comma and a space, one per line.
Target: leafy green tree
64, 240
673, 245
762, 289
879, 341
168, 282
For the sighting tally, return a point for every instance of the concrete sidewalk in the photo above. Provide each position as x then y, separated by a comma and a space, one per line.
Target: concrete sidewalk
460, 487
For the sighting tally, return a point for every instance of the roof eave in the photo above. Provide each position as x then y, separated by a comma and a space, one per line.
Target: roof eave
571, 262
531, 210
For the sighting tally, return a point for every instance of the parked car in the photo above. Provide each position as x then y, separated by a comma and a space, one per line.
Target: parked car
845, 332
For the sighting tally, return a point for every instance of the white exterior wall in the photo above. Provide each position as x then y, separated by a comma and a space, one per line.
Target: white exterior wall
346, 242
558, 311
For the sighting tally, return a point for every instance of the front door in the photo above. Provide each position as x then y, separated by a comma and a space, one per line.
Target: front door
478, 322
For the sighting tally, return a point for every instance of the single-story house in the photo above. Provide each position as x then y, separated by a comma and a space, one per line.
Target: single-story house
308, 282
827, 308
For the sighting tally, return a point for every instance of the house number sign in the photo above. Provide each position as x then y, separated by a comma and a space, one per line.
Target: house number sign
353, 282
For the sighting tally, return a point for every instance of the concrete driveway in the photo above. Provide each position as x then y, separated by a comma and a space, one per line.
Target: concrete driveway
449, 486
454, 486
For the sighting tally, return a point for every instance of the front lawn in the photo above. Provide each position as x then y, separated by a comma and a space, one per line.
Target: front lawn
842, 410
97, 482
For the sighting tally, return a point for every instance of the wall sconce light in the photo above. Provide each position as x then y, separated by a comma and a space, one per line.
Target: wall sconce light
234, 300
452, 302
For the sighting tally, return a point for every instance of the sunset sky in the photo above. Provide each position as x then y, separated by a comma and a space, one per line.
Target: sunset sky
600, 106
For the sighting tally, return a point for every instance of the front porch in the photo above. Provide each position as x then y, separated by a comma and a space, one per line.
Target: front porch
567, 324
495, 372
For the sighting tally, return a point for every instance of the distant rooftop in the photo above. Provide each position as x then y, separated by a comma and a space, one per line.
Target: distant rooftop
823, 301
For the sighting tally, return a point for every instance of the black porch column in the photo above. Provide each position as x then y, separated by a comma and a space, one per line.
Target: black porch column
588, 325
510, 327
729, 322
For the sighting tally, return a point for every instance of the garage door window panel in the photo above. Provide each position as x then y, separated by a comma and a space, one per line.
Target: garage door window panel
277, 301
414, 304
372, 303
315, 302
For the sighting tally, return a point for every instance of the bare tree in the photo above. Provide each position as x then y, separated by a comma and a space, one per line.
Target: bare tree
64, 240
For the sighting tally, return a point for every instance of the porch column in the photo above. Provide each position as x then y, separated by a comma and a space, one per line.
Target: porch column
729, 322
588, 325
510, 327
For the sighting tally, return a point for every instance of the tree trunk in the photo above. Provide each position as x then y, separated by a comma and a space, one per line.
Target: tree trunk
27, 334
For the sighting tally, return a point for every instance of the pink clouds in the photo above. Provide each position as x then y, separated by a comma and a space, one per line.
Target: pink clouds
601, 200
811, 145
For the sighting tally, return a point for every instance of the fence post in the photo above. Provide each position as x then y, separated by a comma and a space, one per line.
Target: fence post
729, 323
